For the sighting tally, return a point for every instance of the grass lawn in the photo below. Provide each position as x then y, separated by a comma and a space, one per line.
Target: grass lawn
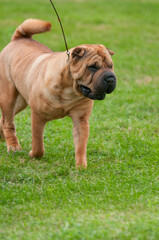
117, 197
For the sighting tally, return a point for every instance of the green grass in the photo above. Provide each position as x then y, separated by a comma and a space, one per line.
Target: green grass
117, 197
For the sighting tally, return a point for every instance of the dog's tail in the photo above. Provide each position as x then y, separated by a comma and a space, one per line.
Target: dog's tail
30, 27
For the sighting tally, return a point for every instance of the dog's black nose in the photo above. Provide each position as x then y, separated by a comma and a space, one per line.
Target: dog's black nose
109, 78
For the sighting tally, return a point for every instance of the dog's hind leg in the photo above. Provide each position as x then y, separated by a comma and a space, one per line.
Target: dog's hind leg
19, 106
8, 98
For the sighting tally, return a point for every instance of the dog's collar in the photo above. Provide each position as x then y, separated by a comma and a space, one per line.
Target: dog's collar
68, 55
68, 62
69, 69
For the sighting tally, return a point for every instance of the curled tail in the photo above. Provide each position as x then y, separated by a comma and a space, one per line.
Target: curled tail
30, 27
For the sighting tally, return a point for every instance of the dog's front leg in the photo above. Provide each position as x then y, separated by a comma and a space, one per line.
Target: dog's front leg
80, 136
37, 127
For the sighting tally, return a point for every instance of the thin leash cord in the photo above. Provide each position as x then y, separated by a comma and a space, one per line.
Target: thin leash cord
67, 51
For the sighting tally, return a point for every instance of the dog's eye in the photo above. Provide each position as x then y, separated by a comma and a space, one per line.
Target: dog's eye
93, 68
110, 65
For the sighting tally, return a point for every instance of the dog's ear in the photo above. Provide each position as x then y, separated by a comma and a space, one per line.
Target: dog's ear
110, 51
78, 53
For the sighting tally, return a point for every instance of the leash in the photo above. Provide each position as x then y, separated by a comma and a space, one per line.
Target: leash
67, 51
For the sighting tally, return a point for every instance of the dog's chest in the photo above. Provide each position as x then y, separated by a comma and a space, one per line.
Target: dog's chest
59, 102
67, 94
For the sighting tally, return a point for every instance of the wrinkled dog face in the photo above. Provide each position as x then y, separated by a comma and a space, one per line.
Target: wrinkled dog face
92, 70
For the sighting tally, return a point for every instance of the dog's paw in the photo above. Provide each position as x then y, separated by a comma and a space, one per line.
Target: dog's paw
14, 148
31, 154
36, 155
82, 165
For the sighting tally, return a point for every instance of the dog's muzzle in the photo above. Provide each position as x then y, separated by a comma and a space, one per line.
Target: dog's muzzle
105, 85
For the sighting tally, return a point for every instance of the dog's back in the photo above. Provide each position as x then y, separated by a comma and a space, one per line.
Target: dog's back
22, 48
18, 56
22, 43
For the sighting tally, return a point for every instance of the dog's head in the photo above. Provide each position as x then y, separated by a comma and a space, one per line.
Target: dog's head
92, 71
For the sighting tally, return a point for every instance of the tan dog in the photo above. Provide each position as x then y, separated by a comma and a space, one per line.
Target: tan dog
31, 74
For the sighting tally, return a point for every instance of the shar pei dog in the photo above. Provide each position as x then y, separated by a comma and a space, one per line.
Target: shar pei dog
31, 74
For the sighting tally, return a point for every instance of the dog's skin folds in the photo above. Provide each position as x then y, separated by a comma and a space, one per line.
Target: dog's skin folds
31, 74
